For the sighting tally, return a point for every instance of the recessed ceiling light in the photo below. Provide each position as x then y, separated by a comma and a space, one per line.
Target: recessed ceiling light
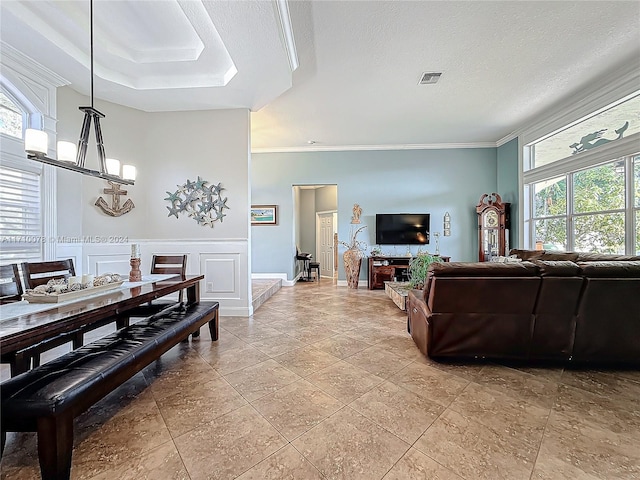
429, 77
311, 142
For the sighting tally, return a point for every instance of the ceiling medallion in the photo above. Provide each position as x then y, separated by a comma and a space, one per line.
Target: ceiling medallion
203, 203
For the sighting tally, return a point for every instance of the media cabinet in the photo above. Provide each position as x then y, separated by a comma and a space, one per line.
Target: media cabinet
389, 269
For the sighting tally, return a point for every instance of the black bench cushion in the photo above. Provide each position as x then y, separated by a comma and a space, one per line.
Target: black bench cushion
87, 374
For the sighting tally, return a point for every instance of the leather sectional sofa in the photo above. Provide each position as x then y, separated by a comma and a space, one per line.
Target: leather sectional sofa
585, 309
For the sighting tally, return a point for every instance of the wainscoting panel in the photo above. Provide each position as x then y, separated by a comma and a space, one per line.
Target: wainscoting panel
224, 263
221, 275
117, 263
72, 251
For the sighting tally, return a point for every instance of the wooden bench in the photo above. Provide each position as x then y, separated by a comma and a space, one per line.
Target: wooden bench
48, 398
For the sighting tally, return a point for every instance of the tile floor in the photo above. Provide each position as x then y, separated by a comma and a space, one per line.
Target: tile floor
324, 383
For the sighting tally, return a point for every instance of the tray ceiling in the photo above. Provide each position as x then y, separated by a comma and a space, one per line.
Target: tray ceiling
502, 62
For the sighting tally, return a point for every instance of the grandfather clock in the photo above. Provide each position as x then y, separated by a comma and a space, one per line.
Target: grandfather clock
493, 226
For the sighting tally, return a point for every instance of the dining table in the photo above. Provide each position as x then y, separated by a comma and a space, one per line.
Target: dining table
24, 324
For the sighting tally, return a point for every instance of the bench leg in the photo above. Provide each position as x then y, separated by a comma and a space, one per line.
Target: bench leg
213, 326
122, 321
55, 445
78, 340
19, 363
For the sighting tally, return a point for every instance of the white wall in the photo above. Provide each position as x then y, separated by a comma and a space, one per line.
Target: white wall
168, 149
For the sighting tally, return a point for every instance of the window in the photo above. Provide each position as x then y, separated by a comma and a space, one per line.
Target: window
21, 222
20, 218
615, 122
11, 117
586, 199
550, 218
636, 177
590, 215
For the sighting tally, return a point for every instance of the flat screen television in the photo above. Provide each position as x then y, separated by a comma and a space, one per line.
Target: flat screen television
402, 228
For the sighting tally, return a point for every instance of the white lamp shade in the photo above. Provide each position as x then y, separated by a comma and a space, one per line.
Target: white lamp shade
113, 166
67, 151
35, 141
128, 172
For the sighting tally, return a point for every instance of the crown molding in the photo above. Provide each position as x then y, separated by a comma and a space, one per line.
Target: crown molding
282, 7
506, 139
355, 148
18, 61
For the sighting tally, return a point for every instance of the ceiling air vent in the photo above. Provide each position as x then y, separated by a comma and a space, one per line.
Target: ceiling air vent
429, 77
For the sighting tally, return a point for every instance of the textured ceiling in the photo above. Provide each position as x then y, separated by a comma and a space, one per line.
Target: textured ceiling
503, 62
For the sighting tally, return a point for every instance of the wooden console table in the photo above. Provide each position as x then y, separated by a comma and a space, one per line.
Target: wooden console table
388, 269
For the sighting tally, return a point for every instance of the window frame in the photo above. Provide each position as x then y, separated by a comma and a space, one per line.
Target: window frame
12, 155
623, 149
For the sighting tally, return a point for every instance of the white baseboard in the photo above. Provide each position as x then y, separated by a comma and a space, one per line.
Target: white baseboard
234, 312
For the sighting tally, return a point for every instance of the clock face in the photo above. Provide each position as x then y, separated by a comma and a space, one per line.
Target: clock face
491, 218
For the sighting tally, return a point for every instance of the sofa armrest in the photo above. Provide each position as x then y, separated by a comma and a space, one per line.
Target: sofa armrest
417, 301
417, 319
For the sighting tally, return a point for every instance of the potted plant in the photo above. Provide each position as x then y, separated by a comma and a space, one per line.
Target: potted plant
418, 268
353, 257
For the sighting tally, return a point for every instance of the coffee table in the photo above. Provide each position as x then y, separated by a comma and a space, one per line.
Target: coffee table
397, 291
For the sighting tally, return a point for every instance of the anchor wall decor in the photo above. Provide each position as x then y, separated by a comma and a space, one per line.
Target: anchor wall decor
114, 210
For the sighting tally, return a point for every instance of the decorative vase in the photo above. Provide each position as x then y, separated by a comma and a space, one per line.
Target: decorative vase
352, 260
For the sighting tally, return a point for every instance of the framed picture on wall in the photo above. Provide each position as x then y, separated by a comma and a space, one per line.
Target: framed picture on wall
264, 215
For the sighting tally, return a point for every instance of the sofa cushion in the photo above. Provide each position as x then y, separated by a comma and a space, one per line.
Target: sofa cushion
555, 256
483, 269
606, 257
617, 269
557, 268
571, 256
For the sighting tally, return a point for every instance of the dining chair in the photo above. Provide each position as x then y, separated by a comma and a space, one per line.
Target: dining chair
34, 274
39, 273
160, 265
10, 286
10, 291
170, 265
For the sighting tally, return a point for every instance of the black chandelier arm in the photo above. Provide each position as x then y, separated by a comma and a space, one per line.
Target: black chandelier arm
83, 141
75, 168
100, 146
90, 114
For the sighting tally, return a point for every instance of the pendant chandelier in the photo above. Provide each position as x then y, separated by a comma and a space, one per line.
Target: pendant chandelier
73, 158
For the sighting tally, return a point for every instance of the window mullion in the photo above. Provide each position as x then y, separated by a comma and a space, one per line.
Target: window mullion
569, 222
629, 230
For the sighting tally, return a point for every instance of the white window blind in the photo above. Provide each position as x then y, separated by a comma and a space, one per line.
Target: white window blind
20, 216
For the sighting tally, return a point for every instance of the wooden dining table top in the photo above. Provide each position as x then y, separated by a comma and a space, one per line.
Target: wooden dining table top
23, 330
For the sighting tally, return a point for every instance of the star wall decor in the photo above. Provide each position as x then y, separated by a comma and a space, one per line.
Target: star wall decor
205, 204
